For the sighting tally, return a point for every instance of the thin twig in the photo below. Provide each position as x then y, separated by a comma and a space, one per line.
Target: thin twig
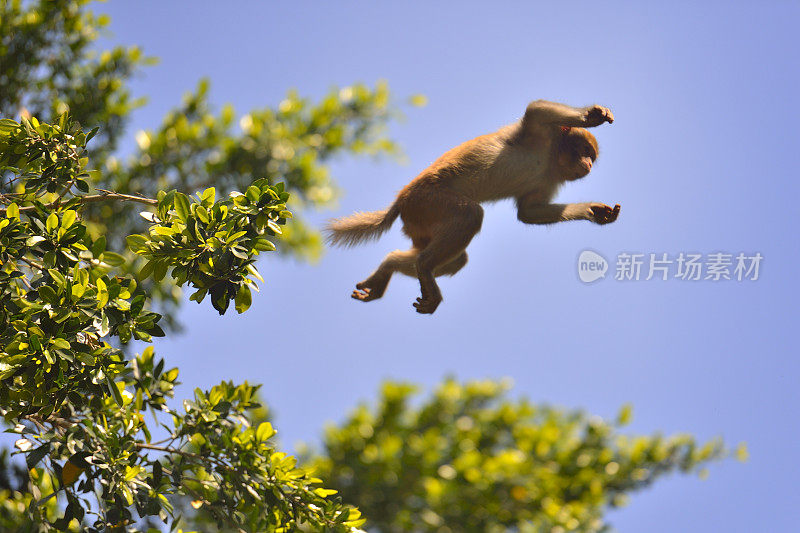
105, 195
67, 188
191, 455
146, 446
32, 264
6, 197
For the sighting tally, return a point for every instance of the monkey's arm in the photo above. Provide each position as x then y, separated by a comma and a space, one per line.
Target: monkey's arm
544, 113
552, 213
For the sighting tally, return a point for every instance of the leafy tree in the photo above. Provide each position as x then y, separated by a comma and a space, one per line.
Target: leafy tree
471, 459
48, 68
79, 405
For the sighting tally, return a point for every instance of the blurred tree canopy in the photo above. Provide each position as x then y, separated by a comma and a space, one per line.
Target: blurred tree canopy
99, 444
48, 67
470, 458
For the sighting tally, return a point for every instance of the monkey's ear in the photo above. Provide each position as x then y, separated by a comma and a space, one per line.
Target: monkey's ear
565, 129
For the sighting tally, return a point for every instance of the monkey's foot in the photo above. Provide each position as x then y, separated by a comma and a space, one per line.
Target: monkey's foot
366, 291
427, 305
363, 295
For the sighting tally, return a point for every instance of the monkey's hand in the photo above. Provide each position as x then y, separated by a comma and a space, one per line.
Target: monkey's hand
603, 214
597, 115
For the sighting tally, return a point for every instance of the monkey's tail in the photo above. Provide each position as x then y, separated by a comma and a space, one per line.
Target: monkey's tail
361, 226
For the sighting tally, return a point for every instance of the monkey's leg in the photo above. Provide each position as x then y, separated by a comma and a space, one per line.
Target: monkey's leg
448, 269
374, 286
444, 250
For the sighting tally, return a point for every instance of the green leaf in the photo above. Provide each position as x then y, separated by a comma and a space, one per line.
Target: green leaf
264, 245
6, 125
102, 325
156, 331
62, 344
163, 230
232, 237
131, 472
92, 133
198, 295
78, 290
202, 214
264, 431
12, 211
147, 270
127, 494
113, 259
254, 271
68, 218
209, 195
114, 391
243, 299
274, 226
33, 458
182, 206
99, 246
156, 472
160, 270
58, 277
48, 294
52, 222
102, 293
81, 277
137, 243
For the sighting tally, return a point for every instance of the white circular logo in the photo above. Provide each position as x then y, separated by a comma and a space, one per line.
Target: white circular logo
591, 266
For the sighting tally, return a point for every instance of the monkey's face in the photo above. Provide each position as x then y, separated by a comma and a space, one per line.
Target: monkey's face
577, 153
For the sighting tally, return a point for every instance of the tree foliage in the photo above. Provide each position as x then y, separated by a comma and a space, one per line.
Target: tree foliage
48, 67
78, 405
471, 459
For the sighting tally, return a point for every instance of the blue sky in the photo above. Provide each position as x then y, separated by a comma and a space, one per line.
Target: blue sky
702, 157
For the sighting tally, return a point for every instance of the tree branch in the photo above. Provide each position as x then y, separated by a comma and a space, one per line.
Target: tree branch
166, 449
32, 264
103, 196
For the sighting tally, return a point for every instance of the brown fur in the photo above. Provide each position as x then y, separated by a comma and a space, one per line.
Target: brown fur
361, 226
440, 208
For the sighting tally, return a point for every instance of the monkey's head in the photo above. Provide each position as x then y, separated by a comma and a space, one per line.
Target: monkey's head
577, 152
